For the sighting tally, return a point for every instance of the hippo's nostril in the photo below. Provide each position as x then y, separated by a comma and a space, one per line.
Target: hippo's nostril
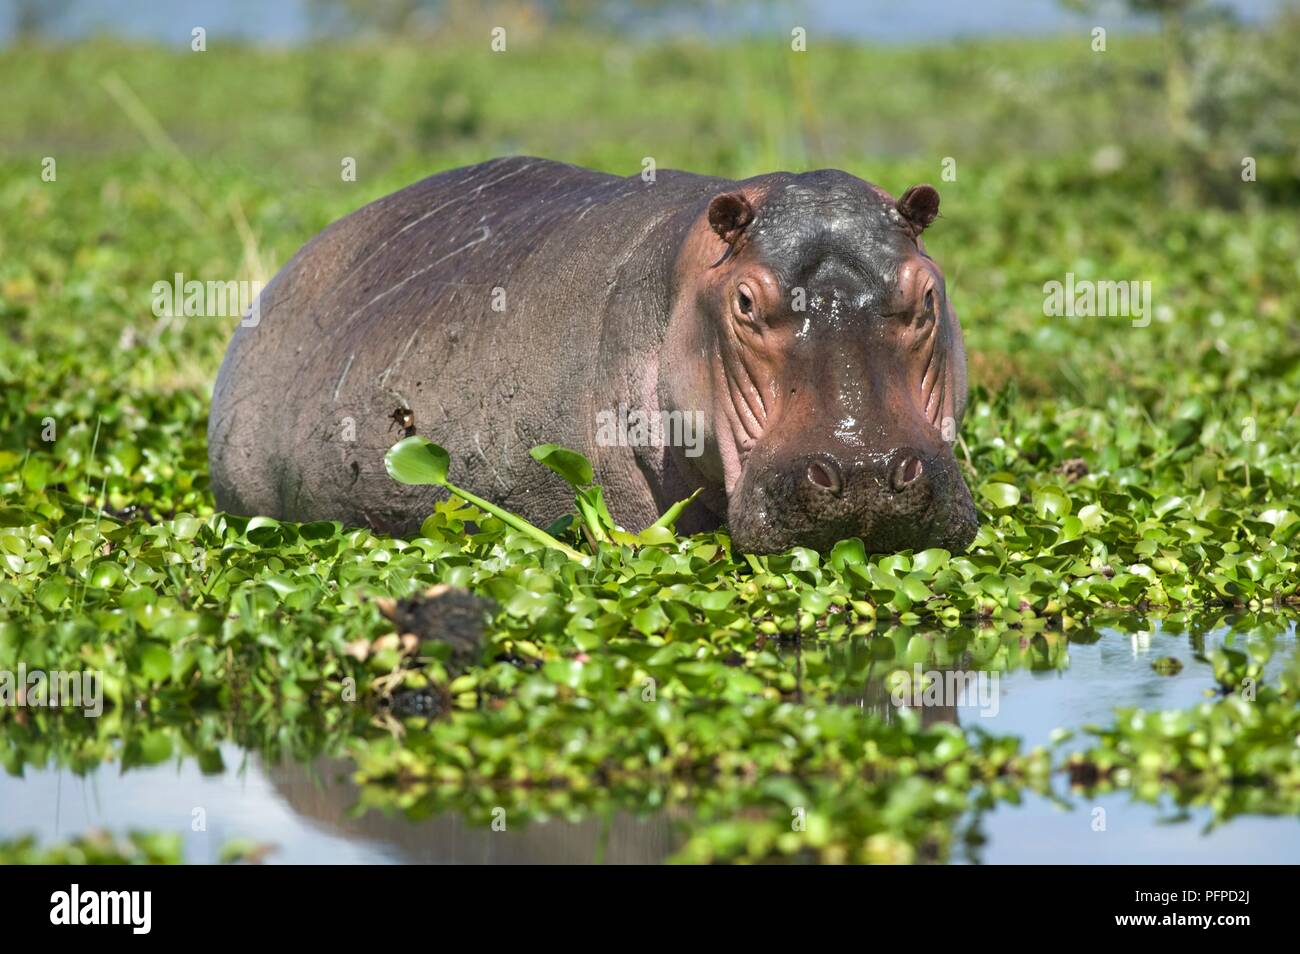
825, 475
906, 472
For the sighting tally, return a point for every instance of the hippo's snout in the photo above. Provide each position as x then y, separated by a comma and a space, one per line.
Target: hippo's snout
903, 499
906, 469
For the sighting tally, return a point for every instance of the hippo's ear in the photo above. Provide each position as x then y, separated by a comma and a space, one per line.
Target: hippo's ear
729, 214
919, 206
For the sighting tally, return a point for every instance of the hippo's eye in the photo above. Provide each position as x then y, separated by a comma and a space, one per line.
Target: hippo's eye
928, 313
744, 302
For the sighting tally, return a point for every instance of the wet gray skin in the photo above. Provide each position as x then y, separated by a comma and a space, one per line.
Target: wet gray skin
796, 318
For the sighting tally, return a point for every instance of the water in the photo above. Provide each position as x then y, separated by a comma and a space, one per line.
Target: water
1114, 671
1040, 833
288, 22
306, 810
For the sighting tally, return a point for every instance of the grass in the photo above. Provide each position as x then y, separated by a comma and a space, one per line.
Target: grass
660, 675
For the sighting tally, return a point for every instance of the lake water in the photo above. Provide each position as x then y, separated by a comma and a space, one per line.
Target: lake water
287, 22
306, 810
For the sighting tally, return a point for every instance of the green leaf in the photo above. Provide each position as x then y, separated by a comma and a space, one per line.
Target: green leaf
846, 552
264, 531
417, 460
669, 517
17, 517
555, 528
572, 466
155, 662
1001, 495
52, 592
106, 574
1051, 502
656, 535
595, 518
930, 561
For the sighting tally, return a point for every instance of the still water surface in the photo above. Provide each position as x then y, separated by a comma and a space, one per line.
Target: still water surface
305, 810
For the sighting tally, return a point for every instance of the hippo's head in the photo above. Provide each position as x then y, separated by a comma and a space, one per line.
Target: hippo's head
832, 360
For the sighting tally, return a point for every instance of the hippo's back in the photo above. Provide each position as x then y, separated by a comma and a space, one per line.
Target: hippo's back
472, 298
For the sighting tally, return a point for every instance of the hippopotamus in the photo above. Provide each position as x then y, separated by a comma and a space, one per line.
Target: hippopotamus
789, 331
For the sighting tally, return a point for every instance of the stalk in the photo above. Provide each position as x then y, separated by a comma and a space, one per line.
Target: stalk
518, 523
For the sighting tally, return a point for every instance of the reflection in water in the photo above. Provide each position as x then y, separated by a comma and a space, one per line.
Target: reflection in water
877, 698
1046, 679
323, 793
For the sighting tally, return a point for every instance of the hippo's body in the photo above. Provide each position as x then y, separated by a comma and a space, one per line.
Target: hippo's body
513, 303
